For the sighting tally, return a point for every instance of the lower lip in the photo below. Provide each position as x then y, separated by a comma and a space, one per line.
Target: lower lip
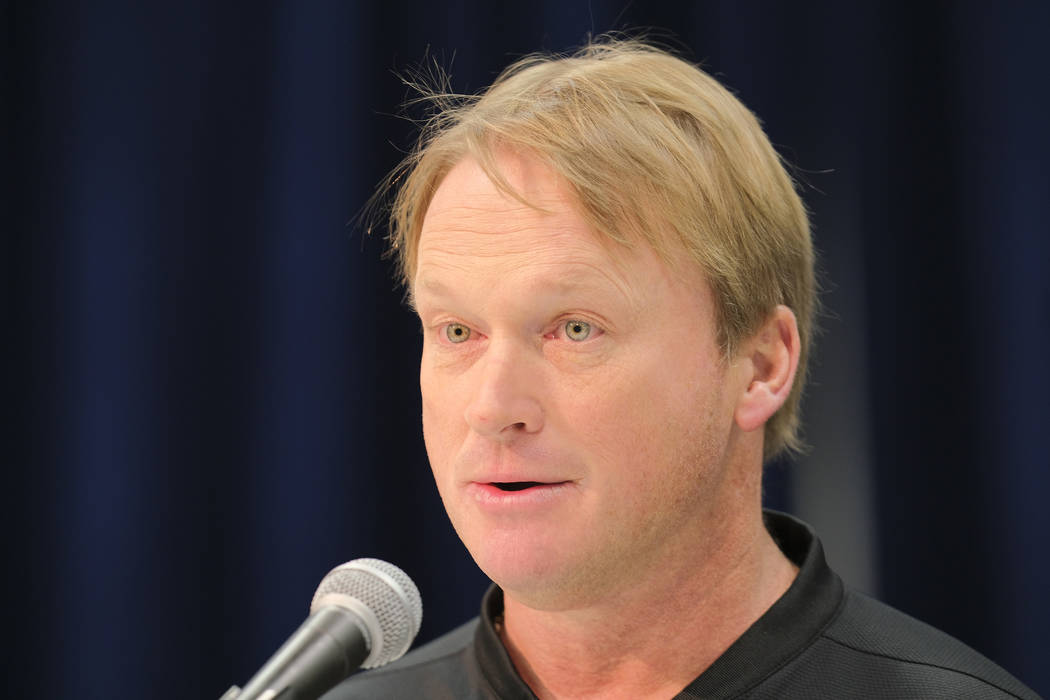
490, 496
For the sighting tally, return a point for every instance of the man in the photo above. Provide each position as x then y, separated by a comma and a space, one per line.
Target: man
614, 277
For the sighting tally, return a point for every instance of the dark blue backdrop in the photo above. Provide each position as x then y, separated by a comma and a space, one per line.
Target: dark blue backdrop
212, 384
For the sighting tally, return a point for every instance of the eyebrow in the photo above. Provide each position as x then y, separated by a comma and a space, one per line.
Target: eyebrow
432, 285
589, 283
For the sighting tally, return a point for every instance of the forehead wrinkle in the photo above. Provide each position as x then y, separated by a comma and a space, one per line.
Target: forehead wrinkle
468, 243
572, 267
479, 220
576, 275
512, 230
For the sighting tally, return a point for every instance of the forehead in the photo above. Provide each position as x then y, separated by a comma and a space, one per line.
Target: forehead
531, 197
472, 223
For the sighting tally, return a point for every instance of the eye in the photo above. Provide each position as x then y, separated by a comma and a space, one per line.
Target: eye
577, 330
456, 332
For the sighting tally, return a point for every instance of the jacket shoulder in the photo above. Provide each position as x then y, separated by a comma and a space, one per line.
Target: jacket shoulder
871, 647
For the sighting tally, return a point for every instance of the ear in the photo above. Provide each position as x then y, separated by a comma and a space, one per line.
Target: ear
771, 357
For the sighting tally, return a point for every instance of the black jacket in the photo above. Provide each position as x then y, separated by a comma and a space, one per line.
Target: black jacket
819, 640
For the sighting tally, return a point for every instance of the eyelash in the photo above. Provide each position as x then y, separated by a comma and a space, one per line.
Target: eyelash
593, 330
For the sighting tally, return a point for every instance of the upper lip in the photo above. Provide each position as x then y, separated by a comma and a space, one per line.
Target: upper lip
514, 467
511, 476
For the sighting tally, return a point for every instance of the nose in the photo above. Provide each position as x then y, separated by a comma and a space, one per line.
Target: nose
505, 403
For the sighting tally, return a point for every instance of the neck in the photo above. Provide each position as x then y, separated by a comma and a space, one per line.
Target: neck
651, 638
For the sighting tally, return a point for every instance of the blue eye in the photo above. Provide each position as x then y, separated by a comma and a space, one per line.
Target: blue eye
456, 332
577, 330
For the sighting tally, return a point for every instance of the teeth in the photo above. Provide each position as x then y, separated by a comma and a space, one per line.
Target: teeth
515, 485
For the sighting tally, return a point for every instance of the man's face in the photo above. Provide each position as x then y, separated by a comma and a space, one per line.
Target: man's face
575, 405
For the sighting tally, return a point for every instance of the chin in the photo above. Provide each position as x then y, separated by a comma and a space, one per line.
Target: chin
533, 573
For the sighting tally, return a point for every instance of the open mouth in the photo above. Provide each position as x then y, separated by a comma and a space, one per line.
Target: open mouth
516, 485
502, 495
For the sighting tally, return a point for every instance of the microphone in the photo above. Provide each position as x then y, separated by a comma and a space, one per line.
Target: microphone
364, 614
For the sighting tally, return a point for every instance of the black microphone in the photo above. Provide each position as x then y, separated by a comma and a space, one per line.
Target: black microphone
364, 614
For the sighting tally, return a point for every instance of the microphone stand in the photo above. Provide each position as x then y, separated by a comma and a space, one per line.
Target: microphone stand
324, 651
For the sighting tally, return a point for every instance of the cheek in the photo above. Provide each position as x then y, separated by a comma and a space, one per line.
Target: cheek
615, 412
439, 411
642, 420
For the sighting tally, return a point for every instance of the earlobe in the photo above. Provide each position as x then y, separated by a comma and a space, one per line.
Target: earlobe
772, 354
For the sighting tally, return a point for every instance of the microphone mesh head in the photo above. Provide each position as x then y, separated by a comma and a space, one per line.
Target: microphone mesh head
385, 590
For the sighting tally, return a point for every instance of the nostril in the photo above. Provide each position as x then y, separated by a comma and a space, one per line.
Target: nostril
503, 418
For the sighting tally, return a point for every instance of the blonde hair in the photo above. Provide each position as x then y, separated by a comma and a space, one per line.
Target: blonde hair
655, 150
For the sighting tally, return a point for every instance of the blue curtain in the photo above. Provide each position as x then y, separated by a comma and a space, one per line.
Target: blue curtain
212, 380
